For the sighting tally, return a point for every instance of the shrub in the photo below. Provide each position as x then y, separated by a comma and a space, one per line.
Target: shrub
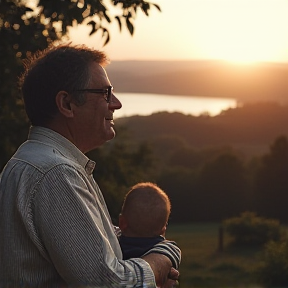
273, 271
249, 229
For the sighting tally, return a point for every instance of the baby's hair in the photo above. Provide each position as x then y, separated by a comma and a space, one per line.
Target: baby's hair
146, 209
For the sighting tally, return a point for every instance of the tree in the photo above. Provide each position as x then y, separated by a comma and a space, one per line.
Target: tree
222, 188
271, 184
179, 184
28, 26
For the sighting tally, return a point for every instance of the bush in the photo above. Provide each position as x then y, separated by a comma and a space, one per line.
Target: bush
273, 271
249, 229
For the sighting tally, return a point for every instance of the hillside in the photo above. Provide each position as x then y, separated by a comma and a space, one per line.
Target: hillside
264, 81
251, 128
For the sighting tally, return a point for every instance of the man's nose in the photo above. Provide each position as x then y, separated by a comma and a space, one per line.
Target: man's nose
114, 103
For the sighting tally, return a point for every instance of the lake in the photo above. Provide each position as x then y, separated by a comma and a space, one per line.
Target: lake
146, 104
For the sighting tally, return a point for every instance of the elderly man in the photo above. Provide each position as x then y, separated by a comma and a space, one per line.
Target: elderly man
55, 227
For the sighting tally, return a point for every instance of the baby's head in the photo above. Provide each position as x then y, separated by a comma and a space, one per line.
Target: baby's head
145, 211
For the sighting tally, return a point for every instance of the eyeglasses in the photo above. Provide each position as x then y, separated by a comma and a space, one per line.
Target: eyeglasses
107, 92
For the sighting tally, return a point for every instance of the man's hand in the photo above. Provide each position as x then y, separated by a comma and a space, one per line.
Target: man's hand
170, 284
172, 280
173, 274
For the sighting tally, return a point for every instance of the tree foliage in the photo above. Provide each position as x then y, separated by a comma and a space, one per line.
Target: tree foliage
30, 25
271, 182
179, 184
250, 229
222, 187
273, 271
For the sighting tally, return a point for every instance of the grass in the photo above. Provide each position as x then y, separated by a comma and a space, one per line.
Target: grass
204, 266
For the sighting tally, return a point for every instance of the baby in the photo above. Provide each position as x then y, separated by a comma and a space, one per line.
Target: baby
143, 222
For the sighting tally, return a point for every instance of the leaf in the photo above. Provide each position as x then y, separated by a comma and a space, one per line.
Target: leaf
94, 29
64, 28
119, 22
107, 17
157, 6
145, 8
105, 31
129, 25
27, 9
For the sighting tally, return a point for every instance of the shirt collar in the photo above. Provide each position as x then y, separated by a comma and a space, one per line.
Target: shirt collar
63, 145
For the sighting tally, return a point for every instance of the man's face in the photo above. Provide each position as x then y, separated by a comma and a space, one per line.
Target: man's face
95, 118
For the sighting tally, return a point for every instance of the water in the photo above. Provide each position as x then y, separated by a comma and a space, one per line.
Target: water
146, 104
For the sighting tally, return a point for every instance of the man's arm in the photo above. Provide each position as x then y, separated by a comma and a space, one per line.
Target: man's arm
74, 232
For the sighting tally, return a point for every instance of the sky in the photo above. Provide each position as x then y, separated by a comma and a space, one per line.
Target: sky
242, 31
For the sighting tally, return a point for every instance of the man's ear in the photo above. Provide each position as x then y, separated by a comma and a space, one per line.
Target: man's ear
63, 102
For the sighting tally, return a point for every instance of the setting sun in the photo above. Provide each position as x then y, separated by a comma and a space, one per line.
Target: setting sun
242, 31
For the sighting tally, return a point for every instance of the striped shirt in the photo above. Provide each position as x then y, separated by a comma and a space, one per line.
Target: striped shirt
55, 229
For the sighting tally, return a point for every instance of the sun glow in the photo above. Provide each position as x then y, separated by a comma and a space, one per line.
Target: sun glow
242, 31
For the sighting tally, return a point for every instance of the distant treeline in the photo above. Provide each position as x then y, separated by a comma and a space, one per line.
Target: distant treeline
212, 168
251, 128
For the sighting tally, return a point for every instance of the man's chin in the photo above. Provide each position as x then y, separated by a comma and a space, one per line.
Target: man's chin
111, 134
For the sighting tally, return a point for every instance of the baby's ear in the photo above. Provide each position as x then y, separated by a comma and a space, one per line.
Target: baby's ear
163, 231
122, 223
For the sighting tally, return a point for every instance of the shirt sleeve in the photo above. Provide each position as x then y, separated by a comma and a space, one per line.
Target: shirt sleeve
72, 229
169, 249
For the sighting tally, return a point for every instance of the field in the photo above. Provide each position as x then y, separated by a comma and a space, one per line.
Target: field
204, 266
